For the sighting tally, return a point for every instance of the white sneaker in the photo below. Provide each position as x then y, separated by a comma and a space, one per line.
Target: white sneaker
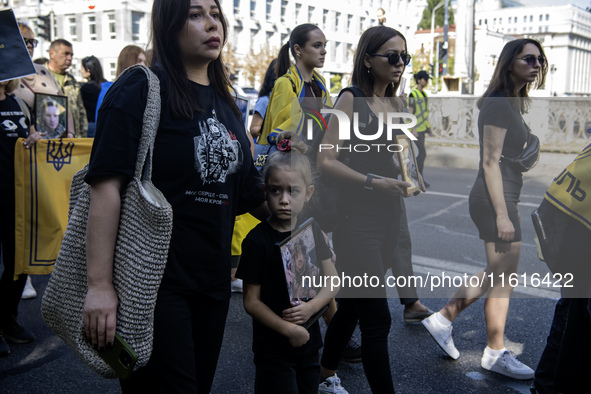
506, 364
236, 286
29, 291
442, 335
331, 385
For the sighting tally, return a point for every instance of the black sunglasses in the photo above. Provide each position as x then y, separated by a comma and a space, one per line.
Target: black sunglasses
531, 60
31, 41
393, 58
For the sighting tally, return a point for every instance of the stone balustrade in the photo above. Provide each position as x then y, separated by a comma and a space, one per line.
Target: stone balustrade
563, 124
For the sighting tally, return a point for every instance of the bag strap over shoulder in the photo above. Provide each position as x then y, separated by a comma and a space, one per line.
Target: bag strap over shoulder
150, 124
292, 83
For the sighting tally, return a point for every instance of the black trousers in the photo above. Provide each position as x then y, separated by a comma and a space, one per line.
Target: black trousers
373, 315
566, 361
402, 264
188, 333
10, 289
287, 374
365, 244
422, 152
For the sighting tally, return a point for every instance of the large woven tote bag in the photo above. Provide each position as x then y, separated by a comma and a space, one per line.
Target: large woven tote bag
141, 252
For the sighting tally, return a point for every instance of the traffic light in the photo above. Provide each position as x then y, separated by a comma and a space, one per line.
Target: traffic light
440, 68
442, 51
44, 27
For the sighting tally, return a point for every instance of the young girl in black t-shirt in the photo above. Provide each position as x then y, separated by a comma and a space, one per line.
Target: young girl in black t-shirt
285, 353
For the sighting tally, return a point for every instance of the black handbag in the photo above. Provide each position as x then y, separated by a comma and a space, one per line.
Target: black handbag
529, 156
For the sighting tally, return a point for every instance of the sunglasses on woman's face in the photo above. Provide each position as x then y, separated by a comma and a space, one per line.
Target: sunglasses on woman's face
31, 41
531, 60
393, 58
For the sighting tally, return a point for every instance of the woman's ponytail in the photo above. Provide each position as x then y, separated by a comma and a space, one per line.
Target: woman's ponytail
283, 62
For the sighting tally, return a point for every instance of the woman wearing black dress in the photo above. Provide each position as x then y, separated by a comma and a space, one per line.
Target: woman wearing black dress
493, 204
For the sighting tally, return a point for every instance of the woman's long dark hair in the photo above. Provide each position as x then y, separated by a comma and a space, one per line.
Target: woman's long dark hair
269, 80
501, 80
300, 35
371, 40
93, 66
169, 17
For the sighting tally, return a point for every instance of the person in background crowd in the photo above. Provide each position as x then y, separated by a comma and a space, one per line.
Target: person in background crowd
40, 82
201, 148
14, 124
93, 91
418, 104
260, 108
301, 80
563, 226
493, 203
60, 59
130, 55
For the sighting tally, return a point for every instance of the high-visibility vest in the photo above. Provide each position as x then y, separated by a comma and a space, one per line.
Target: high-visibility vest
421, 110
568, 193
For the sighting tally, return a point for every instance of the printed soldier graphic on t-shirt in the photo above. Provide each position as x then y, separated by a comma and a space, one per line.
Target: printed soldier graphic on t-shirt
217, 152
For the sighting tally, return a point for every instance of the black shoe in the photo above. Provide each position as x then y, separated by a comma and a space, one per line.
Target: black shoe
427, 184
4, 349
16, 333
352, 353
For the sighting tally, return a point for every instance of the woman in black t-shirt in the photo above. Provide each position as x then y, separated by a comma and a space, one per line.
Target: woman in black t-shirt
202, 164
493, 205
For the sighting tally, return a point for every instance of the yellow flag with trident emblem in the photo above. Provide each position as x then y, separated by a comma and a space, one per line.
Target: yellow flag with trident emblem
43, 176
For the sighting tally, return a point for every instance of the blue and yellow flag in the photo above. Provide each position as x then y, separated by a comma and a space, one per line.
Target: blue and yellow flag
43, 175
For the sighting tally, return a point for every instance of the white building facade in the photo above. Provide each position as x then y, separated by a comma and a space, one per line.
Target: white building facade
564, 31
103, 27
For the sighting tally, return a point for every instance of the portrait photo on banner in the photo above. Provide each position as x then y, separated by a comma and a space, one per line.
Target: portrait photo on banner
51, 114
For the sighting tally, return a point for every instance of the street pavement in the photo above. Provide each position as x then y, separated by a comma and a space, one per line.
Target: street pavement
444, 241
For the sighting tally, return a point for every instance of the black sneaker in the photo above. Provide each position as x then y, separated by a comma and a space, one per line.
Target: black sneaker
352, 353
4, 349
16, 333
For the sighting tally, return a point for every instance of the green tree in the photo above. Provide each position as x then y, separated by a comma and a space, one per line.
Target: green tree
335, 83
439, 15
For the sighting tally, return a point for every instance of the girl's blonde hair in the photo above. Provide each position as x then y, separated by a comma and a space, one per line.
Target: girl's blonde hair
294, 158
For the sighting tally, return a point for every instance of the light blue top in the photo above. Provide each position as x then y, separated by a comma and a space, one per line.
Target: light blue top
261, 105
